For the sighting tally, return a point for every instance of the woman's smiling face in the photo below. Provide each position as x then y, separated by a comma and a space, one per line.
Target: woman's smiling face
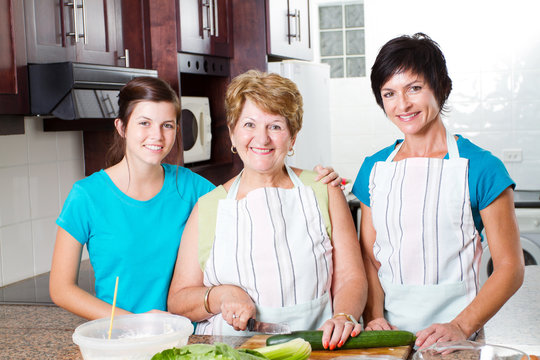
150, 132
410, 103
261, 139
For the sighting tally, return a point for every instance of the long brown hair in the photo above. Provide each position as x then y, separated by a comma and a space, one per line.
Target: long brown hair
142, 88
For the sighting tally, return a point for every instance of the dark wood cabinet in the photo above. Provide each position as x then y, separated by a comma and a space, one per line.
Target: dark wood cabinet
205, 27
88, 31
13, 73
288, 29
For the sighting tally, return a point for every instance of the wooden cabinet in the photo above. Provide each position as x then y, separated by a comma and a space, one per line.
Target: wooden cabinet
88, 31
13, 76
288, 29
204, 27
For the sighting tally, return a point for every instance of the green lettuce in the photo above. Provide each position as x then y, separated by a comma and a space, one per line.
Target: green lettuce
205, 351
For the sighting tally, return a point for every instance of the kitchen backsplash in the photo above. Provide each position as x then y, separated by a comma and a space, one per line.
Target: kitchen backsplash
494, 62
37, 170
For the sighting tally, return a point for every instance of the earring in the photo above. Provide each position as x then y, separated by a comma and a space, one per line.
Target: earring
291, 154
233, 150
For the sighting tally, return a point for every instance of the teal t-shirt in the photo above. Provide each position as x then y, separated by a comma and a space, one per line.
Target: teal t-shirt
488, 176
134, 240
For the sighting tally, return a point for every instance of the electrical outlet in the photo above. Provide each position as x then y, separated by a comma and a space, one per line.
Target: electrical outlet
512, 155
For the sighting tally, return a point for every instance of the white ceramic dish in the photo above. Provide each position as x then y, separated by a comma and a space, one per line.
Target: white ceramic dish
134, 337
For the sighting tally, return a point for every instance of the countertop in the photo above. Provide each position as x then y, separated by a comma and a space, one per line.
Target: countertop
517, 324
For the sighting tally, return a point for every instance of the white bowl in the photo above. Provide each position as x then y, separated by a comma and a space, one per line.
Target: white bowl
468, 350
133, 337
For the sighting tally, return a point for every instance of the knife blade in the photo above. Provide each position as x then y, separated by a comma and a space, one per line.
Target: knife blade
268, 328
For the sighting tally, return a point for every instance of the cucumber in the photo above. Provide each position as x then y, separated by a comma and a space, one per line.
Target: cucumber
366, 339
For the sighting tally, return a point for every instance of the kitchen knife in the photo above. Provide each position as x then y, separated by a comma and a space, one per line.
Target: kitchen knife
268, 328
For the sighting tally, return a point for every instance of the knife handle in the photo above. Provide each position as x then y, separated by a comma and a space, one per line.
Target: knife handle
251, 324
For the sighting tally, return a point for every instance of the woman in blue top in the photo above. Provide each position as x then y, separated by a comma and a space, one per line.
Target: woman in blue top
424, 202
130, 215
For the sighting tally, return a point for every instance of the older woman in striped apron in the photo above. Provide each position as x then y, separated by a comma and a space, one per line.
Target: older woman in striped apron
272, 243
424, 202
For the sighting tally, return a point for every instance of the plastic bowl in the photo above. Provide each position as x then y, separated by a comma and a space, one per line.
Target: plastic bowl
468, 350
133, 337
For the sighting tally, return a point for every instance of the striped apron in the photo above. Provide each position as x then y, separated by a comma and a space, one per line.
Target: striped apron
426, 242
273, 244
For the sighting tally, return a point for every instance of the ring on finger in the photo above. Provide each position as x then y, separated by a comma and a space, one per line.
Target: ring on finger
234, 316
349, 322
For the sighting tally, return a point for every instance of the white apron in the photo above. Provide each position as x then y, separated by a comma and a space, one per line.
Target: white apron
427, 243
273, 244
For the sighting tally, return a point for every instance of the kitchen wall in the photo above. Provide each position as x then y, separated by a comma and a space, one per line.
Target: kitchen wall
493, 56
37, 170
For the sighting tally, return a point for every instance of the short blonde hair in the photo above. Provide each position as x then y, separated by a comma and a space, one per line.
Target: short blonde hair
272, 93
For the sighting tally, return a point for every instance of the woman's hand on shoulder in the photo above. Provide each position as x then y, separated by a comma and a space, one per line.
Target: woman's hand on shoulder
237, 307
439, 332
327, 175
337, 330
380, 324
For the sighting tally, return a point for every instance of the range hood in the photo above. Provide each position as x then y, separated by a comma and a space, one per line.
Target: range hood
70, 91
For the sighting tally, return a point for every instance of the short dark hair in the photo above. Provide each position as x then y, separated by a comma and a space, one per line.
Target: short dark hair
418, 54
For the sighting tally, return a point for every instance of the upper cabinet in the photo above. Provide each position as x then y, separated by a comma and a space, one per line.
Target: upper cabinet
13, 75
87, 31
288, 29
205, 27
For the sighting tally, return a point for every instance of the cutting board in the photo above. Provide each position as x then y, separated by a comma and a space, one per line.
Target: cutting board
400, 352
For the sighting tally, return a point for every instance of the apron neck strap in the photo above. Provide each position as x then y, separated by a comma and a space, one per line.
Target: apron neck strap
233, 191
451, 145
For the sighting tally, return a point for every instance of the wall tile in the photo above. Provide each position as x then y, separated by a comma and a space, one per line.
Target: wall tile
496, 85
41, 145
43, 235
465, 87
69, 172
464, 116
497, 116
13, 150
15, 203
528, 142
69, 145
44, 190
17, 252
526, 85
526, 115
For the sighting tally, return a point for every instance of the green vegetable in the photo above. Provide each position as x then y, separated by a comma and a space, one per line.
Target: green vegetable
208, 352
295, 349
366, 339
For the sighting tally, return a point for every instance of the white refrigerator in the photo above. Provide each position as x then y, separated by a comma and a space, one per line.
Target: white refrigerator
312, 145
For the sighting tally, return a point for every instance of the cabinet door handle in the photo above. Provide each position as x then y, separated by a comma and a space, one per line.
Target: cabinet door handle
125, 57
73, 5
213, 14
83, 6
206, 9
298, 27
296, 16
